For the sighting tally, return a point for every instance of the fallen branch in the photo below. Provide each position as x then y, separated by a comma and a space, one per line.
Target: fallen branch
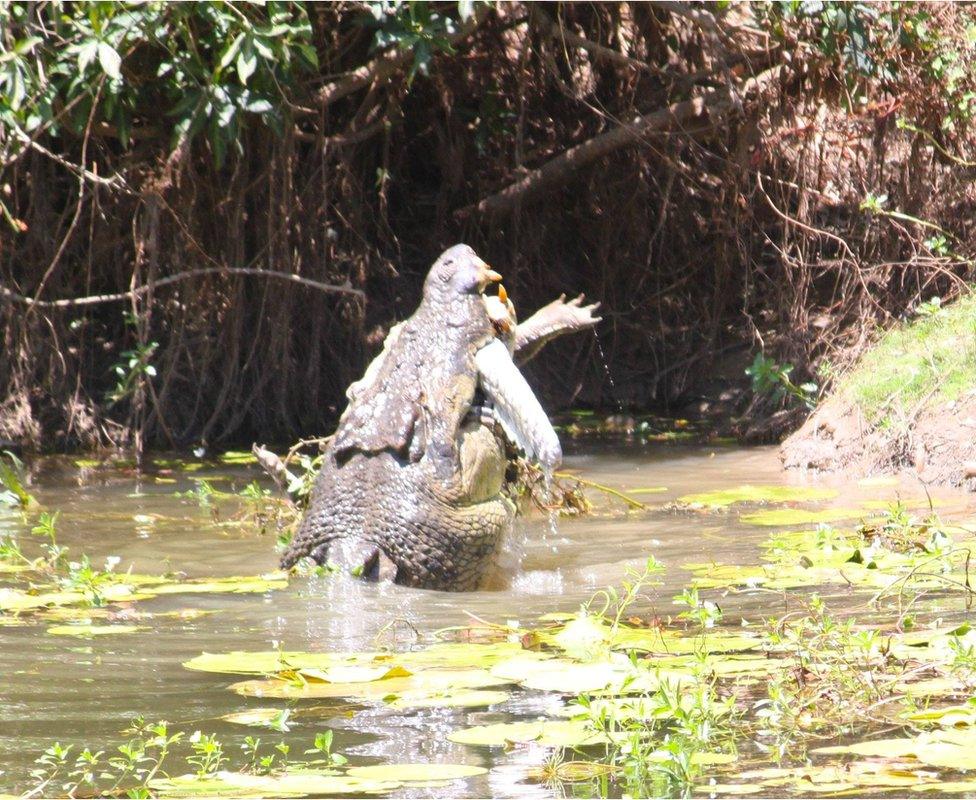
343, 139
715, 105
559, 169
73, 302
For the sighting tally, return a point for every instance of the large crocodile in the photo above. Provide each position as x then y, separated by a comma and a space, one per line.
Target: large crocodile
412, 487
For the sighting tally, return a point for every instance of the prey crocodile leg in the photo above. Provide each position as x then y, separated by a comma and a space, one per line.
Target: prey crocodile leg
516, 407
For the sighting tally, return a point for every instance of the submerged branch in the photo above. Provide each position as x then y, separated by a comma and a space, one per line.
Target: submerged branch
72, 302
630, 501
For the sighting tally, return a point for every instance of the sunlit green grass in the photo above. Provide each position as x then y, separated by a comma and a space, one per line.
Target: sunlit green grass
917, 365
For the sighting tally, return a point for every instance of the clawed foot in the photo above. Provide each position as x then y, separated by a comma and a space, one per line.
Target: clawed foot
572, 314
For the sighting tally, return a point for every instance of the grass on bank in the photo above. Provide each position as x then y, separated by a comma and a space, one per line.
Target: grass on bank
917, 365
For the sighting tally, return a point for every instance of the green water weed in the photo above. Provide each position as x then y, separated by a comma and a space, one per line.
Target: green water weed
13, 481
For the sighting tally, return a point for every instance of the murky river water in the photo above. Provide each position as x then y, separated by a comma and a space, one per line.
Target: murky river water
56, 688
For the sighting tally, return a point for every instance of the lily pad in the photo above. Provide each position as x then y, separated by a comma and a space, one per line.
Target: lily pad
440, 656
958, 716
470, 698
948, 749
258, 717
572, 677
723, 498
18, 600
238, 457
800, 516
946, 787
827, 778
232, 585
250, 662
354, 674
94, 630
548, 733
239, 785
428, 681
416, 773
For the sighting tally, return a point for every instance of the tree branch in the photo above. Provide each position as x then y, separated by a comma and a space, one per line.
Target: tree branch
702, 18
73, 302
381, 68
343, 139
598, 51
562, 167
567, 163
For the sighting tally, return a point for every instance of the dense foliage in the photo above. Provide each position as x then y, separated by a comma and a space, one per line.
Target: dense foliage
726, 178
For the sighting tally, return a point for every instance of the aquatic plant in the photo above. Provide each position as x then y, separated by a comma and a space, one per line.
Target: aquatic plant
12, 480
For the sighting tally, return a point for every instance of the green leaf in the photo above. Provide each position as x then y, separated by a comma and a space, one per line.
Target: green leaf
757, 494
800, 516
94, 630
86, 54
416, 773
27, 44
110, 60
465, 9
231, 52
234, 784
548, 733
247, 62
463, 698
259, 105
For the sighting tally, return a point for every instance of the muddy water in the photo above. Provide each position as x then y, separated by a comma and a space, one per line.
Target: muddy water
55, 688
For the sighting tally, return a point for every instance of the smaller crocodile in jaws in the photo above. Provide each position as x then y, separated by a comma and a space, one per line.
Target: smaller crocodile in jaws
412, 487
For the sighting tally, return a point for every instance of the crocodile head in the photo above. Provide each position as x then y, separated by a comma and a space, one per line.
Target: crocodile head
458, 271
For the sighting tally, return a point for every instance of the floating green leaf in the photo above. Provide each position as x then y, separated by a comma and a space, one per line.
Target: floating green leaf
473, 698
949, 749
800, 516
94, 630
548, 733
238, 457
239, 785
721, 498
416, 773
250, 662
437, 656
946, 787
427, 681
259, 717
822, 779
354, 674
231, 585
